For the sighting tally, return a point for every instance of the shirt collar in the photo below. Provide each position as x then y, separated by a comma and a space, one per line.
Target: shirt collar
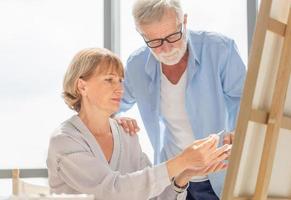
191, 48
152, 65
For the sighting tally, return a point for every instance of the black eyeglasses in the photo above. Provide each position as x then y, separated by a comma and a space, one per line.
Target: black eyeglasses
174, 37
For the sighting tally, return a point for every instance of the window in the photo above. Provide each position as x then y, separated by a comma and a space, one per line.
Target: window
226, 16
38, 40
128, 31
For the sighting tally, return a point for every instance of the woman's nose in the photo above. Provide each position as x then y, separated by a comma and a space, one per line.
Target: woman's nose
119, 88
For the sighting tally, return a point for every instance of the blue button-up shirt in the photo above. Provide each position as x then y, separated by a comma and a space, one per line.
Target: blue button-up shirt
215, 79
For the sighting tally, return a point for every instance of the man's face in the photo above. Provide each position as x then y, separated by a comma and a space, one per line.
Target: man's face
174, 44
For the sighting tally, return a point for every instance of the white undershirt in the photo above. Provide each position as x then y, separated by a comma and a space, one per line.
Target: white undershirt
176, 119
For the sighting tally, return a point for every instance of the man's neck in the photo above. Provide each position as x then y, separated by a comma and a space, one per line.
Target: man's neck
174, 72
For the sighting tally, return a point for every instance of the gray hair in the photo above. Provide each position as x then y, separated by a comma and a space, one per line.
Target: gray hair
148, 11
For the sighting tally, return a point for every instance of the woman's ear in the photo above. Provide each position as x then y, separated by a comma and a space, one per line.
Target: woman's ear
81, 85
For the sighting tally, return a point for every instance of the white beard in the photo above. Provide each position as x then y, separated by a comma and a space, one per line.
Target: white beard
172, 57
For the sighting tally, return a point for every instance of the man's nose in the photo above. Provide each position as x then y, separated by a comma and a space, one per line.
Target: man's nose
166, 47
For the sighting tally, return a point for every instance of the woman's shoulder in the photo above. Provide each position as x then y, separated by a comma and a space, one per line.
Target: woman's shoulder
65, 137
130, 148
126, 137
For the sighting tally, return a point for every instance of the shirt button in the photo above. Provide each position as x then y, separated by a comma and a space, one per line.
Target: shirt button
58, 160
58, 169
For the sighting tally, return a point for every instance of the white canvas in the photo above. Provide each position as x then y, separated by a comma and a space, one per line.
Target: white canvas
280, 184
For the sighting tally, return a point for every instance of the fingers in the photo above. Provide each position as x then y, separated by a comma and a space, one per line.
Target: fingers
200, 141
228, 151
206, 152
199, 155
202, 171
232, 137
208, 143
216, 167
135, 125
129, 125
125, 126
221, 153
228, 138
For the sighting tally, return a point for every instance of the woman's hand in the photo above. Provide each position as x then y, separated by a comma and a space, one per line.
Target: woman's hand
183, 178
201, 154
128, 124
215, 165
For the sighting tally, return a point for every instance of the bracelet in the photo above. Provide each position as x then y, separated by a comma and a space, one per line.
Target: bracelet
178, 188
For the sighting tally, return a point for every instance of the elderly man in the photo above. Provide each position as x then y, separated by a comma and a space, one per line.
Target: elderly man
186, 85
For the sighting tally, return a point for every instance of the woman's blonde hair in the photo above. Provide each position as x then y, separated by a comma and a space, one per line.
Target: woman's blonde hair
84, 64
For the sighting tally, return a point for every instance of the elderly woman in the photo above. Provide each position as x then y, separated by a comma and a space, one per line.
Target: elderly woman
90, 152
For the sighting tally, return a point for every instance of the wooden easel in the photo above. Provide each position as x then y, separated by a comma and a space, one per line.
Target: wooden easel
274, 118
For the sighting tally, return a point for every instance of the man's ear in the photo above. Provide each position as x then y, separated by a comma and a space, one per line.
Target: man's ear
81, 85
185, 19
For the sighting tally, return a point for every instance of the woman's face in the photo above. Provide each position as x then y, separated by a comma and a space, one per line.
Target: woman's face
103, 92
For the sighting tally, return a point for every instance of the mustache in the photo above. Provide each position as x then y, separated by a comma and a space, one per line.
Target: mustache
174, 52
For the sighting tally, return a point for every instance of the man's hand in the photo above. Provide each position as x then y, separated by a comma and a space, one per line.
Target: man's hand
228, 138
128, 124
